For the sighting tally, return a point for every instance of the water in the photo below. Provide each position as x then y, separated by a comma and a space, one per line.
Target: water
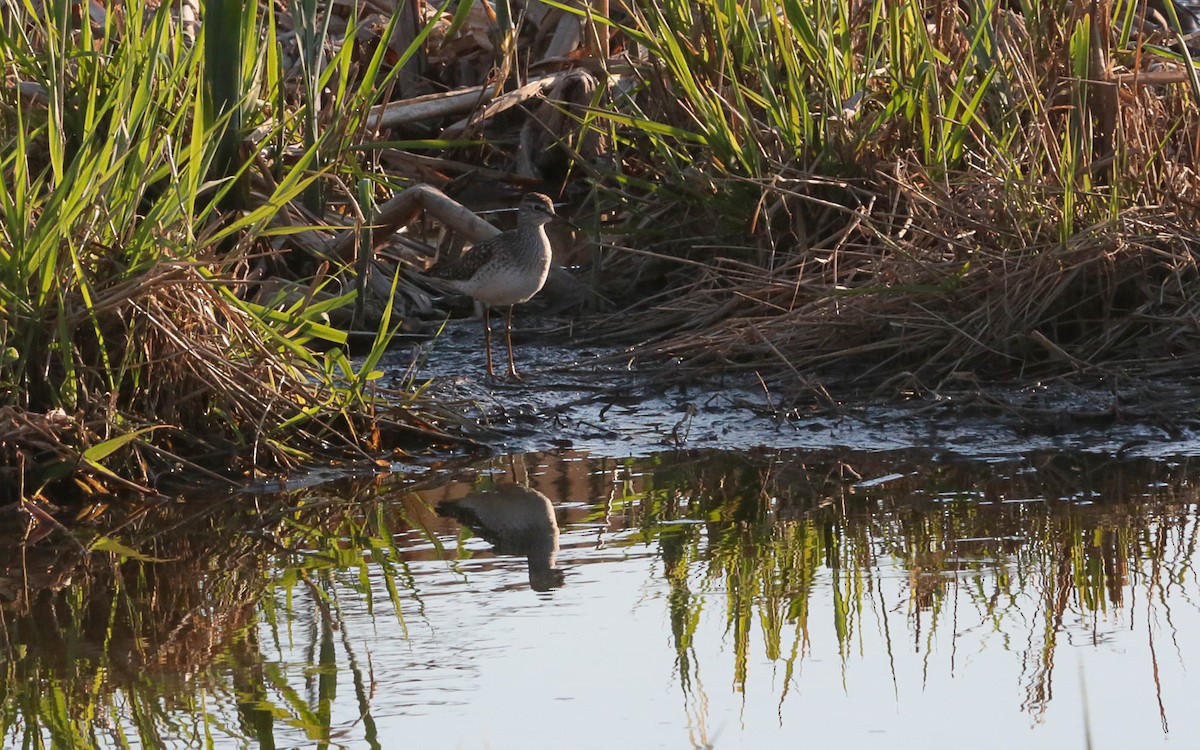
704, 599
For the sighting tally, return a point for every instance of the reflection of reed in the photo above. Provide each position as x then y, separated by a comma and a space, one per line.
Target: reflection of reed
1032, 550
515, 520
160, 622
1005, 541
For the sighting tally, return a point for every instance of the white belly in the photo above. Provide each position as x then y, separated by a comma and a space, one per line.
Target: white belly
499, 286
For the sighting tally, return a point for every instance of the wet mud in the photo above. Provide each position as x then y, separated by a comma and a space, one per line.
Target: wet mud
604, 400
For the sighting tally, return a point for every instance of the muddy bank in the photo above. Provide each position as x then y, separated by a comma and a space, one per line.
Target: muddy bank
604, 401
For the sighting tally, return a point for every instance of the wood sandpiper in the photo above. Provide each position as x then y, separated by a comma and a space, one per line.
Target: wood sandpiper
505, 270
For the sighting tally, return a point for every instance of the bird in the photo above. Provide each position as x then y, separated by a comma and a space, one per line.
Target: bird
505, 270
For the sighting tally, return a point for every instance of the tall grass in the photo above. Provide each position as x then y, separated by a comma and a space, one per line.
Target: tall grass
931, 188
127, 330
835, 87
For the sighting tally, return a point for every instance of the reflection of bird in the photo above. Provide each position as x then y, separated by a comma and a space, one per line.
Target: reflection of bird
515, 520
505, 270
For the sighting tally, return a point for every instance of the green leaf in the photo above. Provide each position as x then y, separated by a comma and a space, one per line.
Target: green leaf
108, 447
108, 544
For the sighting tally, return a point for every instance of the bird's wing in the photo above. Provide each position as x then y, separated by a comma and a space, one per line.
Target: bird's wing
466, 265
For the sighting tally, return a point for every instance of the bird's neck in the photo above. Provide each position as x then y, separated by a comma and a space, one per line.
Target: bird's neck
532, 232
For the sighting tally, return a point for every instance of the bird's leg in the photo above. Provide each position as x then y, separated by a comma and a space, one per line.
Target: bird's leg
487, 337
512, 365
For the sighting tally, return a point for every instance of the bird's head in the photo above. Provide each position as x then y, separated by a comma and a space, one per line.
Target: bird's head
537, 208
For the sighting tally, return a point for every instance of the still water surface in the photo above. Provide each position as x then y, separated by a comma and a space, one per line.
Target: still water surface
691, 599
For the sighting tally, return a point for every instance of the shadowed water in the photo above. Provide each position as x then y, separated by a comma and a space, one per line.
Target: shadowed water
688, 599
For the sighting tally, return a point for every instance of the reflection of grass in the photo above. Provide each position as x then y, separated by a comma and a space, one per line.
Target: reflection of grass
1015, 542
166, 649
775, 541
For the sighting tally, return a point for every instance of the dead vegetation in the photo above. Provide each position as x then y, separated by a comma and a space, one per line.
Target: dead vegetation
934, 285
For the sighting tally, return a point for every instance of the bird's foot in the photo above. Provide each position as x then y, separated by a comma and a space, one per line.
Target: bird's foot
511, 375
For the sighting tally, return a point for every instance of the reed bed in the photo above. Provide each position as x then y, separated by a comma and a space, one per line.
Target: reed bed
939, 287
195, 214
911, 192
148, 192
